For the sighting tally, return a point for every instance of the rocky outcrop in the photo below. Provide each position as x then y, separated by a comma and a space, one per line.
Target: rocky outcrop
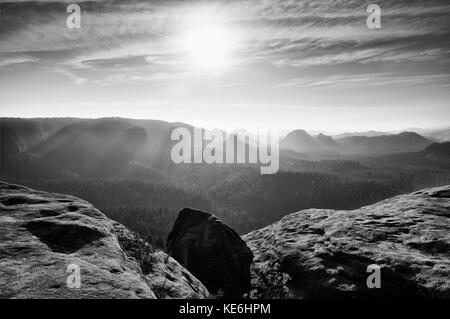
43, 235
320, 253
314, 253
212, 251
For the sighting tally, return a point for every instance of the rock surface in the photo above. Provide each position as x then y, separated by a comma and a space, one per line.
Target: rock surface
43, 233
212, 251
319, 253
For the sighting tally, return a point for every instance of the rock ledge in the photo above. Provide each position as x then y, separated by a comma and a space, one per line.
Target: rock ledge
43, 233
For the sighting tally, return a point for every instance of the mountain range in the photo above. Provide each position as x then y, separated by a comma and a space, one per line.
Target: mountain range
111, 147
301, 142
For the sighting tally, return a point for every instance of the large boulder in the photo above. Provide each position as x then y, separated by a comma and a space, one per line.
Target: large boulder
44, 235
319, 253
212, 251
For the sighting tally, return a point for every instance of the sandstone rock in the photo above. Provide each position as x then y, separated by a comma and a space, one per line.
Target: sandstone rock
42, 233
212, 251
319, 253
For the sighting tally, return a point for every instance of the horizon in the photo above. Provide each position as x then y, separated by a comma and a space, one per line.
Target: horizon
283, 132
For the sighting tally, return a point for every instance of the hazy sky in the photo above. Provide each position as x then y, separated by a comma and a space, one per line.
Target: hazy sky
227, 64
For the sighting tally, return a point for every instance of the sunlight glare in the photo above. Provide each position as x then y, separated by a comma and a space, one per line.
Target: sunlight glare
207, 41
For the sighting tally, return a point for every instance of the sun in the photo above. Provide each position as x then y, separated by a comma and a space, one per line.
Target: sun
208, 42
209, 47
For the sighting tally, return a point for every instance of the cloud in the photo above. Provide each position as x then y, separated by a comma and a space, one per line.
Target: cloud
367, 80
78, 80
17, 60
136, 35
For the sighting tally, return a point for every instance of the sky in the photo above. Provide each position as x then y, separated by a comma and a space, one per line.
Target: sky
253, 64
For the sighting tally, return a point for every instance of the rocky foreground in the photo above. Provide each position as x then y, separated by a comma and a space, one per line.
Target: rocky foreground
212, 251
43, 235
314, 253
319, 253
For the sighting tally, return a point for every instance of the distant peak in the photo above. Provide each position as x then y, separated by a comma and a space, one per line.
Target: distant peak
298, 132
